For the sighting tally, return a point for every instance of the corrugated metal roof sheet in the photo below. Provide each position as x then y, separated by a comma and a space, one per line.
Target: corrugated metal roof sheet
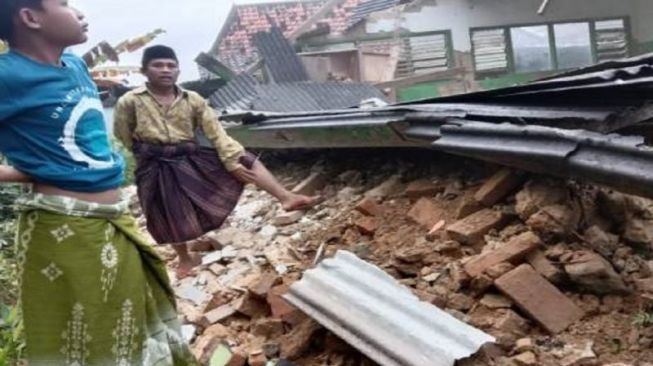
621, 162
281, 61
237, 94
368, 7
556, 126
240, 94
372, 312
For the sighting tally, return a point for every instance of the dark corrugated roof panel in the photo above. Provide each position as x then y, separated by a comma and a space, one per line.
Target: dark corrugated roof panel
241, 95
620, 162
281, 61
307, 96
237, 94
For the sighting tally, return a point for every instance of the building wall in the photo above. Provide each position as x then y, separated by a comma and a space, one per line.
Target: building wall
461, 15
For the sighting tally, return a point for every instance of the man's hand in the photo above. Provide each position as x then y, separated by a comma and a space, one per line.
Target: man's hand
245, 175
11, 175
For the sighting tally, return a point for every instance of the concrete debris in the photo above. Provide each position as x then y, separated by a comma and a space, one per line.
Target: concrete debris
594, 274
537, 194
311, 185
578, 356
495, 253
288, 218
525, 359
389, 187
601, 241
295, 343
524, 345
555, 221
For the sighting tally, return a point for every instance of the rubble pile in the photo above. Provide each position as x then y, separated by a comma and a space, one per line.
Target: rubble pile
561, 273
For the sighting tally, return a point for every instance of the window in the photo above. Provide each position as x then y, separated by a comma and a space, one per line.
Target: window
573, 45
530, 48
417, 53
611, 39
545, 47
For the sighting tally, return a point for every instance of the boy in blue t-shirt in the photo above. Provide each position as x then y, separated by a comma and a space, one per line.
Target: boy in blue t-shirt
92, 291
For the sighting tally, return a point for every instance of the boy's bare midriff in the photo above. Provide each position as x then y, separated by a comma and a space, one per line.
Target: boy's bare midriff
106, 198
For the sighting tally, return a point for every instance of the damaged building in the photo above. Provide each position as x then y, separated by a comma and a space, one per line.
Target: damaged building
429, 48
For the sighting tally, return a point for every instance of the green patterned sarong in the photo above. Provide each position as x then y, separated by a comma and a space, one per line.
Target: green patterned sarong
93, 292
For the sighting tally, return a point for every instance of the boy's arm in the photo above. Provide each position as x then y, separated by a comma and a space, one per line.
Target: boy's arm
11, 175
229, 150
124, 120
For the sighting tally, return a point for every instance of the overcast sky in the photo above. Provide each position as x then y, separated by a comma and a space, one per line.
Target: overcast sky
191, 25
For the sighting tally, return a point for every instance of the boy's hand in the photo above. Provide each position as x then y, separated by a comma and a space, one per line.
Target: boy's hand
11, 175
244, 175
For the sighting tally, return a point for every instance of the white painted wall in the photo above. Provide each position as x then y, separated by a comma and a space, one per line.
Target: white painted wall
461, 15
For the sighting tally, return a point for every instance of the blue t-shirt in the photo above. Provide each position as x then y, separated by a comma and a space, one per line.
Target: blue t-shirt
52, 124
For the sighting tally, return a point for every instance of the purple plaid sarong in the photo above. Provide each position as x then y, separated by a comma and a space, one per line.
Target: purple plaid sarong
184, 189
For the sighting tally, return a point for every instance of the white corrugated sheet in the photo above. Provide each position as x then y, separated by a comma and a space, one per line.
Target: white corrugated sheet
371, 311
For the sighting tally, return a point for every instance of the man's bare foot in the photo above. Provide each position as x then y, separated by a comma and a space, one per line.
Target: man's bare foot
298, 202
186, 265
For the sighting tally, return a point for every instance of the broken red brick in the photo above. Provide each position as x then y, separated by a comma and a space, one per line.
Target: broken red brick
281, 309
425, 213
369, 207
471, 229
250, 306
515, 249
539, 298
310, 185
468, 205
264, 284
423, 188
545, 267
498, 187
499, 269
367, 225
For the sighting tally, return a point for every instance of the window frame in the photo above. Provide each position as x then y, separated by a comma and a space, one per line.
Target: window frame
357, 41
510, 54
